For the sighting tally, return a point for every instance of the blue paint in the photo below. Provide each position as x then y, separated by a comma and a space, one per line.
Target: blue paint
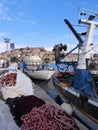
82, 79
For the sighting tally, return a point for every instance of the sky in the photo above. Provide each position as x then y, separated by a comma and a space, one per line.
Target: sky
40, 23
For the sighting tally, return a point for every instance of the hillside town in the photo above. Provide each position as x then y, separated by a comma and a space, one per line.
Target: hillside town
45, 55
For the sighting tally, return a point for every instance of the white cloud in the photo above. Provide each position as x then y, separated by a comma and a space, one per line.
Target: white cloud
5, 18
3, 12
9, 1
3, 9
3, 34
8, 15
49, 48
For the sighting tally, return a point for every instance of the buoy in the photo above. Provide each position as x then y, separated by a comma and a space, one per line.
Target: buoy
67, 108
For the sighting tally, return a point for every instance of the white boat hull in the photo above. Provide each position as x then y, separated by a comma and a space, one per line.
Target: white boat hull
40, 74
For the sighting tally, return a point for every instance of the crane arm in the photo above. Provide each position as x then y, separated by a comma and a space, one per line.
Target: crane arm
74, 31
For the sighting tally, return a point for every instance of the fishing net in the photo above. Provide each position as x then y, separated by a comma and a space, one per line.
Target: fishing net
23, 105
48, 117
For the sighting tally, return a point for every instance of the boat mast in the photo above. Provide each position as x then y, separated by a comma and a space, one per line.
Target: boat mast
84, 56
83, 78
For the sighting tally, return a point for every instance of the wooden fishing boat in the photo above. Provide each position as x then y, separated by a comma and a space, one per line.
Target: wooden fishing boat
80, 87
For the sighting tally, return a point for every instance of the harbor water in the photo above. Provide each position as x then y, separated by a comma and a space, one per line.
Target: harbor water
48, 86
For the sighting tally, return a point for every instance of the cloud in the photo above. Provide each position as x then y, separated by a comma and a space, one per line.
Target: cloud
8, 1
18, 15
3, 12
3, 34
49, 48
3, 9
5, 18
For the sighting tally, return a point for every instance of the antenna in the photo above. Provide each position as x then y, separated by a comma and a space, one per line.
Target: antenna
89, 14
7, 40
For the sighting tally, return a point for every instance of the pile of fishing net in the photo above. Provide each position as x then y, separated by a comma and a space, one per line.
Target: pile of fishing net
8, 80
32, 113
48, 117
23, 105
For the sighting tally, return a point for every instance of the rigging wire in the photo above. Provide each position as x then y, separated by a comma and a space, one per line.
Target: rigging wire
79, 25
90, 49
95, 51
69, 38
78, 10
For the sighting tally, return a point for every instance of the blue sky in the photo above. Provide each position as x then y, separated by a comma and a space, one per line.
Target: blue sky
40, 23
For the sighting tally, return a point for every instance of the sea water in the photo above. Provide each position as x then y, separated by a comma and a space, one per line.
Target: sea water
48, 86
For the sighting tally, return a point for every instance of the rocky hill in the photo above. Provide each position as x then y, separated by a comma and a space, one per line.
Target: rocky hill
22, 52
40, 51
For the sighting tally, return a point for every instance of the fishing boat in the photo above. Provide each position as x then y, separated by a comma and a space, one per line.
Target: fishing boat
35, 68
39, 73
79, 86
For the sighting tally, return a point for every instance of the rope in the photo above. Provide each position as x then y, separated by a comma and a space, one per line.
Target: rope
90, 49
82, 88
95, 50
43, 83
94, 89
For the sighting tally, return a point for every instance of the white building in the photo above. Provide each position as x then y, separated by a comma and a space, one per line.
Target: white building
33, 60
